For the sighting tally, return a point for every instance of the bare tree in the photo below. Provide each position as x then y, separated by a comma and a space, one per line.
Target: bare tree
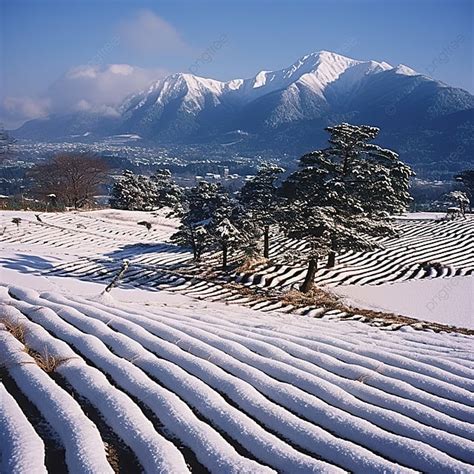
73, 178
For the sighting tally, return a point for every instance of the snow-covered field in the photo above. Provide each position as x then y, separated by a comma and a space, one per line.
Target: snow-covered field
186, 387
440, 300
162, 381
91, 246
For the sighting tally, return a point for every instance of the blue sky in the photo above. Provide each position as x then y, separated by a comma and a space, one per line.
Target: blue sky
42, 39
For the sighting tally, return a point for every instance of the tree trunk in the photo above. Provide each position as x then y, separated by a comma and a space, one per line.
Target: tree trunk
194, 245
331, 259
309, 279
345, 164
224, 255
266, 241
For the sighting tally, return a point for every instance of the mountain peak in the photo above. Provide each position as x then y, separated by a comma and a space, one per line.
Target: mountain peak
322, 69
317, 71
405, 70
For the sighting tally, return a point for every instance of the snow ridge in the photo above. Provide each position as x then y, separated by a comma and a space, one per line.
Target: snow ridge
293, 394
316, 71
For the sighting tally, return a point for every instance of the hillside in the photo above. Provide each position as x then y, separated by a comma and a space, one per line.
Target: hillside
171, 372
427, 249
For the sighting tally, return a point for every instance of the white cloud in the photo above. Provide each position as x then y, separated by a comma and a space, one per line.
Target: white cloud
16, 110
78, 72
99, 85
148, 32
101, 109
123, 69
88, 88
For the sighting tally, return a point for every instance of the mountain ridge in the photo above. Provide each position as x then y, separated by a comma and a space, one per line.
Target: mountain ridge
288, 109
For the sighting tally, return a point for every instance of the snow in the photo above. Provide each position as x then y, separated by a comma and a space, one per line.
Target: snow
84, 448
250, 358
197, 394
405, 70
154, 453
241, 393
243, 390
316, 71
22, 449
445, 301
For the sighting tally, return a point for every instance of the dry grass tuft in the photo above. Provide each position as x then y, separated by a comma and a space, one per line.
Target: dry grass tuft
315, 297
247, 292
251, 263
15, 328
45, 361
112, 456
241, 289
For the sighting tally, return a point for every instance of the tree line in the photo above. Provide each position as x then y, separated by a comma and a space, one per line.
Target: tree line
340, 198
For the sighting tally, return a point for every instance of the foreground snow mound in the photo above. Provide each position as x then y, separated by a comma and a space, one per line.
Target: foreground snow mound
228, 390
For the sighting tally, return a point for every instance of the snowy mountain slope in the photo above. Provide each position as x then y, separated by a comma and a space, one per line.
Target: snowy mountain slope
287, 109
315, 71
191, 95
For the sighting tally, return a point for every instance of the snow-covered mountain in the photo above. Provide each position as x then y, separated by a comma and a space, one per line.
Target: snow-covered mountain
288, 109
316, 73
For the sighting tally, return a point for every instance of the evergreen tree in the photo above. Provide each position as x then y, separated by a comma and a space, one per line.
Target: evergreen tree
211, 219
231, 227
460, 199
227, 236
341, 197
132, 192
166, 192
142, 193
199, 206
260, 199
466, 177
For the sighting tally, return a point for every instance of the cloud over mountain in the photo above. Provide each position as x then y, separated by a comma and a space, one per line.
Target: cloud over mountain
91, 87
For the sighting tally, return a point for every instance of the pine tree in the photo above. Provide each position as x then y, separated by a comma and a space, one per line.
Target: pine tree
166, 192
226, 235
199, 206
460, 199
131, 192
142, 193
466, 177
260, 199
341, 197
231, 228
212, 219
